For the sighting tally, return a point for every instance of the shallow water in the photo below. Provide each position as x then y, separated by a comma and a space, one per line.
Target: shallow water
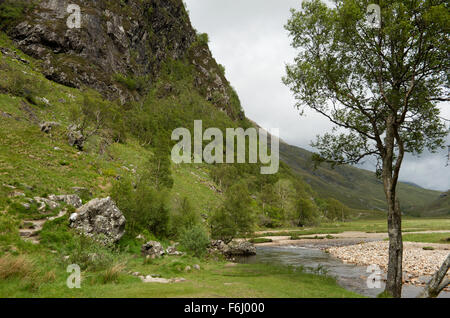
351, 277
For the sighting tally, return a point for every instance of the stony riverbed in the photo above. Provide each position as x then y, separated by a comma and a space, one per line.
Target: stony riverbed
417, 262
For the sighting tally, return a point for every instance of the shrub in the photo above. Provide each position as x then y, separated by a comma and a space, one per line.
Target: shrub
90, 255
143, 207
235, 217
307, 213
112, 274
185, 217
11, 266
195, 240
203, 38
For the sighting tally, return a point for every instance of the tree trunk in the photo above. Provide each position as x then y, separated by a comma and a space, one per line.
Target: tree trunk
395, 272
438, 282
390, 178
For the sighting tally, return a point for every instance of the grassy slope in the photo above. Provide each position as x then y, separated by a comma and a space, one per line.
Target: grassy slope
440, 207
354, 187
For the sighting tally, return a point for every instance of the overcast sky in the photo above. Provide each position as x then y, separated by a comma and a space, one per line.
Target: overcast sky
249, 39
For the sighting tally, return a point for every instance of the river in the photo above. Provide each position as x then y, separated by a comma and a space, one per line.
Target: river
351, 277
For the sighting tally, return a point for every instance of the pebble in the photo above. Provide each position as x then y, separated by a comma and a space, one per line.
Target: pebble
417, 262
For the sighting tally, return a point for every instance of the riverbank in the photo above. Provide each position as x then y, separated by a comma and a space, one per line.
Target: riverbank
211, 279
419, 259
345, 238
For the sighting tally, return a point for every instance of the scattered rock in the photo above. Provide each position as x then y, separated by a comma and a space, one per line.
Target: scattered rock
241, 248
100, 219
153, 249
172, 250
187, 268
48, 126
26, 205
70, 199
197, 267
76, 138
45, 203
16, 194
417, 262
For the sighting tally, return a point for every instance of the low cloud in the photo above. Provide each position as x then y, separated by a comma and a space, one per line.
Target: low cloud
249, 39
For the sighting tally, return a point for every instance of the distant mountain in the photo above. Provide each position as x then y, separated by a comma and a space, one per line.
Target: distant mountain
357, 188
412, 184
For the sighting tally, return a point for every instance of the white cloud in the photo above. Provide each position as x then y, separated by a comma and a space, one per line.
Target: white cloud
249, 39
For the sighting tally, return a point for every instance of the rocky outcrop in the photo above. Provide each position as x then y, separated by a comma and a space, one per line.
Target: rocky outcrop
132, 38
152, 249
234, 248
99, 219
69, 199
241, 248
75, 137
120, 42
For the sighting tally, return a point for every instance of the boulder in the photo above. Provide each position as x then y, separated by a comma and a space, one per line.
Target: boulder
172, 250
69, 199
100, 219
48, 126
152, 249
241, 248
75, 137
218, 246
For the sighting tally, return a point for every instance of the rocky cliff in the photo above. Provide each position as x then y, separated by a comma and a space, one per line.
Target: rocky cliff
118, 41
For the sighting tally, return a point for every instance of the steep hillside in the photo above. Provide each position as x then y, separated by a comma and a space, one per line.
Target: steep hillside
439, 207
132, 73
355, 187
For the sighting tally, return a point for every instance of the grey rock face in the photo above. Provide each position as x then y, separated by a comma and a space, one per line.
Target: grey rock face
152, 249
100, 219
132, 39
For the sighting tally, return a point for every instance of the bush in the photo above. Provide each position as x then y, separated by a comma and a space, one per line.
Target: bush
112, 274
195, 240
235, 217
307, 213
185, 217
11, 266
143, 207
203, 38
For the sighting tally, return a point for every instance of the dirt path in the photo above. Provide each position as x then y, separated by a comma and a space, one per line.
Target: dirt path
31, 229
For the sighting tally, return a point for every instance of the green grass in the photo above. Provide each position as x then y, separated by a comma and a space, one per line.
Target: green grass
409, 224
214, 279
443, 238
